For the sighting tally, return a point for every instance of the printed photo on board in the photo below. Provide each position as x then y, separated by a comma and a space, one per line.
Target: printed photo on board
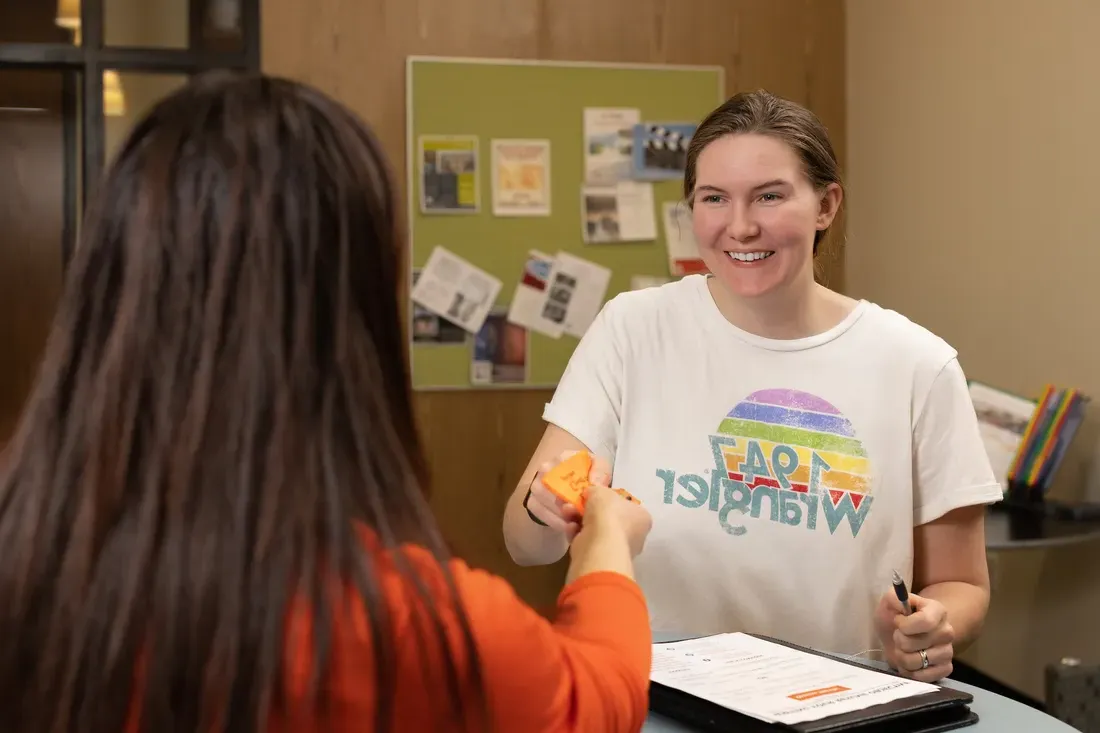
557, 300
608, 139
530, 295
448, 174
620, 213
428, 328
521, 177
577, 291
660, 150
601, 217
500, 351
451, 287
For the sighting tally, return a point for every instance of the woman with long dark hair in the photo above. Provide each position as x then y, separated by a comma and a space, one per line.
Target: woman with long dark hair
212, 515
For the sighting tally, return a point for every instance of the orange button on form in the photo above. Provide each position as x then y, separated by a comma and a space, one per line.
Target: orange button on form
811, 694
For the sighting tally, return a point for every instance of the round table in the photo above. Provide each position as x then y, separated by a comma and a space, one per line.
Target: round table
996, 714
1022, 531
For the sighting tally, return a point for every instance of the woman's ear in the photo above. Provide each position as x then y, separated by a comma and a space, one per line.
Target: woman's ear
830, 205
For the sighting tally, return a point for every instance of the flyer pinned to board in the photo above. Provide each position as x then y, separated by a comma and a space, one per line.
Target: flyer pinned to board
528, 308
619, 213
521, 177
559, 295
500, 354
577, 291
449, 175
608, 142
453, 288
683, 253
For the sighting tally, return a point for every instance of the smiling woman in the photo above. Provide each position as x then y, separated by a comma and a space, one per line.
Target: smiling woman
790, 441
764, 186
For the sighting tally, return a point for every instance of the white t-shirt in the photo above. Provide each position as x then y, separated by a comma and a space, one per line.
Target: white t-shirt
784, 476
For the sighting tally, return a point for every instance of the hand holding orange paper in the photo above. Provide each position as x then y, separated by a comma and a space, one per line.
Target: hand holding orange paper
569, 479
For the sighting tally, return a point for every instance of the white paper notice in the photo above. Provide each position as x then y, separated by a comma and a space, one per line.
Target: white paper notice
608, 144
528, 308
521, 177
577, 290
456, 290
619, 213
772, 682
683, 254
641, 282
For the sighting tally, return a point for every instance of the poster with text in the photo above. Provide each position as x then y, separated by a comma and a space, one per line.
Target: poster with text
430, 328
528, 307
683, 253
449, 174
620, 213
453, 288
608, 140
500, 351
521, 177
577, 290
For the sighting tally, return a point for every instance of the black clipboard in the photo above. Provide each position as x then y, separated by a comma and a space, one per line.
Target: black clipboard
943, 710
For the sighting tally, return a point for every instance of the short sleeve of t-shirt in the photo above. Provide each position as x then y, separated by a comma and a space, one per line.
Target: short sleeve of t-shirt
951, 468
588, 400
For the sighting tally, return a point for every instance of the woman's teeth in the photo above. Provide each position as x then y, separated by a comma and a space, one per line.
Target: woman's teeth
749, 256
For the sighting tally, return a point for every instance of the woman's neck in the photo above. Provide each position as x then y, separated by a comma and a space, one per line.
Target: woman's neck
795, 312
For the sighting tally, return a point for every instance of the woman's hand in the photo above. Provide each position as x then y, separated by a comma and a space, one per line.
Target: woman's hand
551, 511
604, 508
904, 638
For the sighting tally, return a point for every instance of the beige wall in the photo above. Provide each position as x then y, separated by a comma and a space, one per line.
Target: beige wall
973, 159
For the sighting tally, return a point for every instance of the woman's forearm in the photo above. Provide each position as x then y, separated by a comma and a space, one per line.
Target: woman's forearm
600, 548
966, 606
527, 542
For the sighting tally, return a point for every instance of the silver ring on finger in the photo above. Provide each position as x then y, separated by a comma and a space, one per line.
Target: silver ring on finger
923, 659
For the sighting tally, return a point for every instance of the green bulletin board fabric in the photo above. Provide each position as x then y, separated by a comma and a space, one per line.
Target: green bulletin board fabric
492, 98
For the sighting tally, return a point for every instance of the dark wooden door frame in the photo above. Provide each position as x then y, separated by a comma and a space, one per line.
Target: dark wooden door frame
91, 58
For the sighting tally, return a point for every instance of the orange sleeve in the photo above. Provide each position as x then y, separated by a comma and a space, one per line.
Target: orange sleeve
588, 670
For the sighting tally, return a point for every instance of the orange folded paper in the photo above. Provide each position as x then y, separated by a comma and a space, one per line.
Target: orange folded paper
569, 479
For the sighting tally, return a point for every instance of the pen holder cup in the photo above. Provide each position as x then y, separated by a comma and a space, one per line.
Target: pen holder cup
1024, 497
1026, 509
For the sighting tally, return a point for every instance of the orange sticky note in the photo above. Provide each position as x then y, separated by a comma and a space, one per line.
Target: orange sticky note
569, 479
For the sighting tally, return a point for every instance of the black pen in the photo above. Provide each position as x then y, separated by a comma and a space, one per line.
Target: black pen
902, 593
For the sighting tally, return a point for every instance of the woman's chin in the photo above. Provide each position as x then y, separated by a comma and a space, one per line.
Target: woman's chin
750, 280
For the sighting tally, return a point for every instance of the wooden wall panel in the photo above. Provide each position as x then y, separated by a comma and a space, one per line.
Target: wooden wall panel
479, 442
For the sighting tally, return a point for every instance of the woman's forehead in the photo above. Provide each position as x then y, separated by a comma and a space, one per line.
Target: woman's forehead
746, 160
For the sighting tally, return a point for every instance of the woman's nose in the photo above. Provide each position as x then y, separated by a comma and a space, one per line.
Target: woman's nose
741, 225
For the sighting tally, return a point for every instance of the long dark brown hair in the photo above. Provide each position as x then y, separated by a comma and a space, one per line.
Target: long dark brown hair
223, 397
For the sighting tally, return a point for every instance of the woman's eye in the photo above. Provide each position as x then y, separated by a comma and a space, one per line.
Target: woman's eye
712, 198
769, 197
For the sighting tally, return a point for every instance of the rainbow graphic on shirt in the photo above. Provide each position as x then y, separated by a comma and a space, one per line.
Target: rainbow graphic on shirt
773, 422
781, 455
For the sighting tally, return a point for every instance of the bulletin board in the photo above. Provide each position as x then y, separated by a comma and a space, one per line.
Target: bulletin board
516, 99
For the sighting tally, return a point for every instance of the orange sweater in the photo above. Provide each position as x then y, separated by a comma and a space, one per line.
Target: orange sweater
588, 670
